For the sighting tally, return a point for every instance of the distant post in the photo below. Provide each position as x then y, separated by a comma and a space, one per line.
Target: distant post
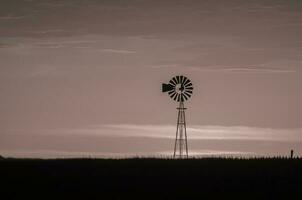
292, 154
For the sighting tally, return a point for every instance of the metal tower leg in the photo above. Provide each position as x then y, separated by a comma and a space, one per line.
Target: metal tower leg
181, 143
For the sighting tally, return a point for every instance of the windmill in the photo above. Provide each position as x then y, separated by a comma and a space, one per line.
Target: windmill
180, 89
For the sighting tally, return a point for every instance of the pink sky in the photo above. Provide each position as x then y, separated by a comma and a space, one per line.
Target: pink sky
80, 79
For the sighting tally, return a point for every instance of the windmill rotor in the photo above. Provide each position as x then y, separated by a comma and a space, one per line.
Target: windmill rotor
179, 88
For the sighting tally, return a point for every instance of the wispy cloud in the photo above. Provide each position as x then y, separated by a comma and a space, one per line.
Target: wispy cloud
67, 42
62, 44
50, 46
119, 51
254, 69
122, 140
164, 66
213, 153
4, 45
11, 17
56, 3
48, 31
231, 69
196, 132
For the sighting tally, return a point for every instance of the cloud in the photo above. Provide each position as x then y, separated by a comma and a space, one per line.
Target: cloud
164, 66
120, 51
66, 42
96, 43
252, 69
48, 31
230, 69
82, 45
4, 45
54, 4
123, 140
11, 17
195, 132
70, 43
50, 46
214, 153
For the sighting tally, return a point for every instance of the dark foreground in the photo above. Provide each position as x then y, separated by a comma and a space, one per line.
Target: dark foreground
151, 179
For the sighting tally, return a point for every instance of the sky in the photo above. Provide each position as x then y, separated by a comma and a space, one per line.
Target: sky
83, 78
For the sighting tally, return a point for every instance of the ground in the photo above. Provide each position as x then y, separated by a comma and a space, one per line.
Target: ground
208, 178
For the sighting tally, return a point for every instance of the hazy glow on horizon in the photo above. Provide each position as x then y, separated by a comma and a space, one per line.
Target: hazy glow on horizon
149, 140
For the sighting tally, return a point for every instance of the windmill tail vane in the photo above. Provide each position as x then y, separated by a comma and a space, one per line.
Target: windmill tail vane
180, 89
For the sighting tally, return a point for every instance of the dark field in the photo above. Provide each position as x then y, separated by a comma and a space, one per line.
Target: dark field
208, 178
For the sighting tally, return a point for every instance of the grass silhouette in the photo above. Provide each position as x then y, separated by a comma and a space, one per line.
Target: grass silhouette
150, 178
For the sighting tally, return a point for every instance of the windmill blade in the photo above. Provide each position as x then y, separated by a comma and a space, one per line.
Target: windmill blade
170, 92
172, 82
187, 95
186, 81
178, 79
172, 95
189, 91
189, 88
175, 98
178, 97
188, 84
181, 79
182, 97
174, 79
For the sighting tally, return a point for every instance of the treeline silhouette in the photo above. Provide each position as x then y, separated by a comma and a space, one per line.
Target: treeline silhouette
147, 178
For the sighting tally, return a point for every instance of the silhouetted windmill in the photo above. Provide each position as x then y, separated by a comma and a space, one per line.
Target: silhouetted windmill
180, 89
